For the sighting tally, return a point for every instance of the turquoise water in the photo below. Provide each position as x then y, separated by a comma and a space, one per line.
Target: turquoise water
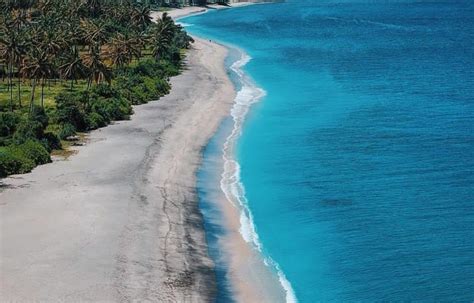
358, 163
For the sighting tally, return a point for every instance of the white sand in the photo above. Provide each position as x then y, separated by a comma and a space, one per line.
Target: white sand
119, 221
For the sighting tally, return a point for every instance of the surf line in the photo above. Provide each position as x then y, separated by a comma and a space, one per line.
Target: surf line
231, 184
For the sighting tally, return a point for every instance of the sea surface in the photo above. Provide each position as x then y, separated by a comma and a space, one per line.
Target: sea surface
354, 165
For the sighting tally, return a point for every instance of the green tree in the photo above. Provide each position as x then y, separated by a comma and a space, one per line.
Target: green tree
38, 68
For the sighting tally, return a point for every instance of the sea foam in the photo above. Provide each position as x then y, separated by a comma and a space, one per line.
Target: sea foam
231, 183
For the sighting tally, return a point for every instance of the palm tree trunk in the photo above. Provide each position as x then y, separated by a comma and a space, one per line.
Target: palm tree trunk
10, 75
72, 84
19, 91
42, 93
33, 88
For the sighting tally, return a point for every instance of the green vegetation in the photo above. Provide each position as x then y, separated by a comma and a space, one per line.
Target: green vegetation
73, 66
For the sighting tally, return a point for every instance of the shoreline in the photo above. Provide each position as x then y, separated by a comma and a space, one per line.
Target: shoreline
120, 219
239, 246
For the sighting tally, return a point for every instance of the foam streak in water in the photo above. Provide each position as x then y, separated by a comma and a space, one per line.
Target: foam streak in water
230, 181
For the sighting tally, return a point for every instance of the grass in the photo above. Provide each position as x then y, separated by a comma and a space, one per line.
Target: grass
51, 90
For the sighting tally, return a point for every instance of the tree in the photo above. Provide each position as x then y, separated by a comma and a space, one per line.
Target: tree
122, 49
162, 36
98, 70
141, 17
11, 51
38, 67
94, 32
73, 68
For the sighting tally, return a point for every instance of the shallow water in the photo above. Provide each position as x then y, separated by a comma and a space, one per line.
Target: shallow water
358, 163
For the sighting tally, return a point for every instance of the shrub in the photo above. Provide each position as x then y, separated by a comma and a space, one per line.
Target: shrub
116, 108
70, 109
32, 150
19, 159
8, 123
67, 129
162, 86
39, 115
148, 68
51, 141
169, 69
28, 129
11, 163
94, 121
105, 91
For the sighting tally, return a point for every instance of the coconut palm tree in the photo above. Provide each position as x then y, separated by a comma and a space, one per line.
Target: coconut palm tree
38, 67
122, 49
141, 17
93, 7
98, 70
94, 32
162, 36
73, 68
11, 50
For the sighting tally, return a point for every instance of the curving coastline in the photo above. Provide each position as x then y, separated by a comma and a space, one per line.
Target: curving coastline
119, 221
253, 275
231, 184
89, 229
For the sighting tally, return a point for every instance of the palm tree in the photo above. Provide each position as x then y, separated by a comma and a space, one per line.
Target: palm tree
98, 70
19, 4
141, 17
94, 32
20, 21
162, 36
38, 67
73, 68
122, 49
11, 51
93, 7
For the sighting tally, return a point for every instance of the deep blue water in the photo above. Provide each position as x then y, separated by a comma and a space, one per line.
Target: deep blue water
358, 164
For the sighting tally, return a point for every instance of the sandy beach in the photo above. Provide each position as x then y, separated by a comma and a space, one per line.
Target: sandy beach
119, 221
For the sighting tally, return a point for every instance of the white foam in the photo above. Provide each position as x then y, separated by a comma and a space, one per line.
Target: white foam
231, 184
183, 24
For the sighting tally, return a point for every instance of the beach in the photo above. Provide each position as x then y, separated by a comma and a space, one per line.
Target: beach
119, 220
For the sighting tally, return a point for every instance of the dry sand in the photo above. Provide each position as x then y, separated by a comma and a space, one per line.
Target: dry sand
119, 221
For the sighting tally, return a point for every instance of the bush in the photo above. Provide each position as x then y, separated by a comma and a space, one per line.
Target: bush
39, 115
163, 87
111, 109
19, 159
94, 121
70, 109
8, 123
31, 150
105, 91
67, 129
51, 141
11, 163
28, 129
141, 89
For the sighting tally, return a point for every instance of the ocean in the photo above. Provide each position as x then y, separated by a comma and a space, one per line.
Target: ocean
350, 150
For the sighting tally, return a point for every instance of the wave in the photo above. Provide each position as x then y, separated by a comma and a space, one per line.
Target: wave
231, 183
183, 24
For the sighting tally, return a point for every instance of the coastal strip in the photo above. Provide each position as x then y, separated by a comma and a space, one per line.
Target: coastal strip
120, 220
251, 274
